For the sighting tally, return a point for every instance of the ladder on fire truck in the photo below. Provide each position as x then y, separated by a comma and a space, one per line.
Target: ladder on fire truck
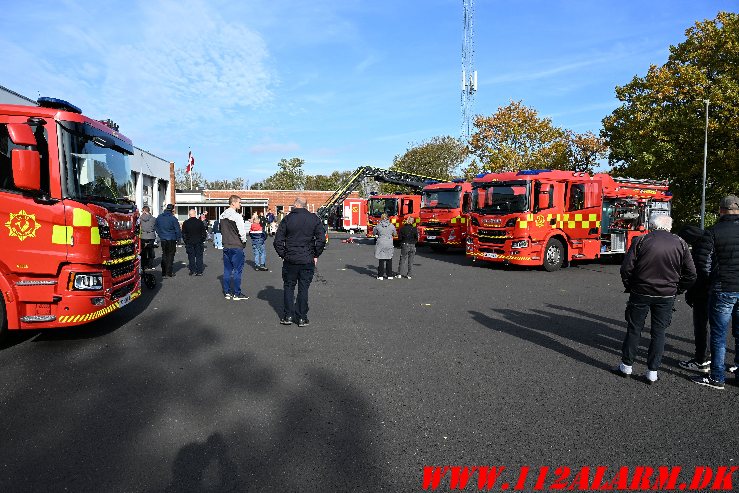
411, 180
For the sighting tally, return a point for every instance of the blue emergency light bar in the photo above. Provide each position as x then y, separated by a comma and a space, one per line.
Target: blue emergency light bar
532, 171
58, 104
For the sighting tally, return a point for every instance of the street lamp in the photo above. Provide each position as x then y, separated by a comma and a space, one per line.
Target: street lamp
705, 158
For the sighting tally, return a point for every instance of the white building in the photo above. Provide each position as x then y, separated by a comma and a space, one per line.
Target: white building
150, 173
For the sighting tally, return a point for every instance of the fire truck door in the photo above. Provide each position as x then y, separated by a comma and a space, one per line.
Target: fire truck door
35, 238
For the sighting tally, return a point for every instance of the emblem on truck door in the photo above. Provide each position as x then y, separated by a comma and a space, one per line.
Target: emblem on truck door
22, 225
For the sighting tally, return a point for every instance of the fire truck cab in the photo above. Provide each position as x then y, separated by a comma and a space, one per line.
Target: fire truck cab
398, 208
547, 218
70, 248
445, 209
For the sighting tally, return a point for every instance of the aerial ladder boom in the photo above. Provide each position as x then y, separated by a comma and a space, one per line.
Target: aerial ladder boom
394, 177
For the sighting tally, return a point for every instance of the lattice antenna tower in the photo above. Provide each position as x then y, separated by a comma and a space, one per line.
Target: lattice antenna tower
469, 74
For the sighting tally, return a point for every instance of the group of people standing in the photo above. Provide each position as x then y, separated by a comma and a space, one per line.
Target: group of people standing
659, 266
299, 240
385, 250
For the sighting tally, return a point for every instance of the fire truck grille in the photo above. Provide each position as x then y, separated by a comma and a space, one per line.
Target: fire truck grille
120, 251
122, 291
120, 270
433, 224
492, 236
433, 232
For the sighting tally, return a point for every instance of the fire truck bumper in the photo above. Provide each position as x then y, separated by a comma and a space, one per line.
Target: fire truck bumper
73, 308
528, 256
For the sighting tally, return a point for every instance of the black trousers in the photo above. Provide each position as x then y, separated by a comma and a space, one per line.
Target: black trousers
700, 329
195, 257
147, 254
385, 268
300, 275
637, 309
169, 247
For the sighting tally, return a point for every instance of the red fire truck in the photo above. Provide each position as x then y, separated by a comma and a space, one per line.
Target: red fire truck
444, 213
398, 207
70, 252
547, 218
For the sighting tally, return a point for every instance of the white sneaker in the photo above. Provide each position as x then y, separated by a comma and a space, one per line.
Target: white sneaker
651, 376
398, 276
380, 278
408, 277
624, 370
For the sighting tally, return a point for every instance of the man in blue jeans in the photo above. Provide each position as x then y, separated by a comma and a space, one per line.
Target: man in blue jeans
717, 259
233, 232
657, 267
299, 242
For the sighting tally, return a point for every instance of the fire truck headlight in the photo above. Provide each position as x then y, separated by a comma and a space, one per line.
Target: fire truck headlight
470, 240
520, 244
85, 281
511, 222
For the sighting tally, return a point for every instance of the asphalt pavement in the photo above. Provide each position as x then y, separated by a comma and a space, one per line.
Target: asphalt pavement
465, 364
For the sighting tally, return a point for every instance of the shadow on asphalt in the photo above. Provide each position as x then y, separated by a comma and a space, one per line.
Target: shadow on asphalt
321, 444
370, 270
545, 329
273, 296
208, 415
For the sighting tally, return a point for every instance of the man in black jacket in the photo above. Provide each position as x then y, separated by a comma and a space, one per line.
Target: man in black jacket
717, 258
657, 267
299, 242
194, 235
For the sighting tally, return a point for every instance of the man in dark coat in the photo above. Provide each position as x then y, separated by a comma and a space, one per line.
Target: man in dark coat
657, 267
697, 298
717, 258
299, 241
168, 229
194, 235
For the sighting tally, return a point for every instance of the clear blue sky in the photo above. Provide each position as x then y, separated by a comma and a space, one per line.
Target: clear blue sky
338, 83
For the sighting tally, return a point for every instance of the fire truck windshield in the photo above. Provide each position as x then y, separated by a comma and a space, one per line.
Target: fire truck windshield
95, 165
440, 199
377, 206
501, 197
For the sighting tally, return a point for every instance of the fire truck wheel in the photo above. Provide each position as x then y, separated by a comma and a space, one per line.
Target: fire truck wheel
553, 255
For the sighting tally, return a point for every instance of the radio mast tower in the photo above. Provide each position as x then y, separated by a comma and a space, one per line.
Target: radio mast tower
469, 74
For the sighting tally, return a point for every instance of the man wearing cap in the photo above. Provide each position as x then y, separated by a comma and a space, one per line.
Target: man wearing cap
168, 229
717, 259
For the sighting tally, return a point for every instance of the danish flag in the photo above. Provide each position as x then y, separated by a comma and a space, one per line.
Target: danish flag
190, 162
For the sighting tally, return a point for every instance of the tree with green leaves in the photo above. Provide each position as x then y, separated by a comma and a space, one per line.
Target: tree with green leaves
289, 177
439, 158
182, 180
659, 129
327, 182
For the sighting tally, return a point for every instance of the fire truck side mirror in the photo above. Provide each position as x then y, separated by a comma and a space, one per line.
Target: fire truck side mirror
26, 169
21, 134
543, 200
